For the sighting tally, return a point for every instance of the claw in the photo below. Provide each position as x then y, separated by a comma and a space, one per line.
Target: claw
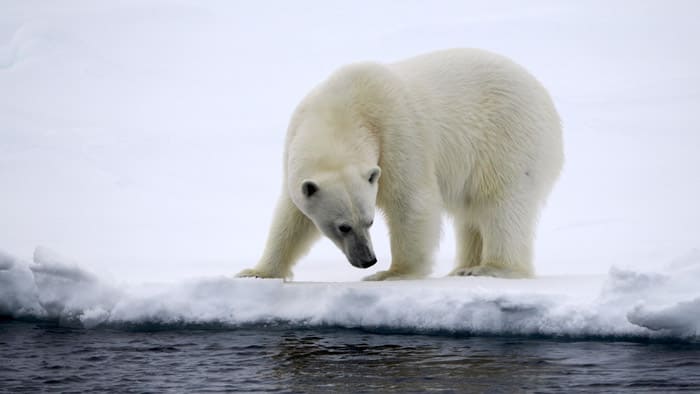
249, 273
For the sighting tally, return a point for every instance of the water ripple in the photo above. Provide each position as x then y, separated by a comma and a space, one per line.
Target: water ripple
40, 357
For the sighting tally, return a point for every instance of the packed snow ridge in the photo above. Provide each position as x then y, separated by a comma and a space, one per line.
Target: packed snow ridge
623, 304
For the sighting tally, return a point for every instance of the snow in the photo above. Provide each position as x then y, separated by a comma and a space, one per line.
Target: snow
624, 304
143, 139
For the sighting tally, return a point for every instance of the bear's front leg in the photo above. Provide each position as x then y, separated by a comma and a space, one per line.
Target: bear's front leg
414, 227
291, 236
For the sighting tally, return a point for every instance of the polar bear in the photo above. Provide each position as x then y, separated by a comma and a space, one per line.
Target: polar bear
463, 131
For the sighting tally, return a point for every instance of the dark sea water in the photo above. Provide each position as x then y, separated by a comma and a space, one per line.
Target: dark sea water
43, 357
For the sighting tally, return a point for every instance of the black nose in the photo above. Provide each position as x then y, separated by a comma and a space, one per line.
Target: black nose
368, 263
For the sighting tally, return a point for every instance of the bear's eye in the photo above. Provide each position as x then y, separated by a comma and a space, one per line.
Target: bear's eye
344, 228
373, 175
371, 222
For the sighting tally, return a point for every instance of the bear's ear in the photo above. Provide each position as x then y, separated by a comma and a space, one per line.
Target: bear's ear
374, 174
308, 188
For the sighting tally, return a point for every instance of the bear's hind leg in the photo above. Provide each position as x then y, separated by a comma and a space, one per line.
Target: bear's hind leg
469, 245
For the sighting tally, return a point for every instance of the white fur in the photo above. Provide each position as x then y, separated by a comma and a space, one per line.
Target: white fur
461, 131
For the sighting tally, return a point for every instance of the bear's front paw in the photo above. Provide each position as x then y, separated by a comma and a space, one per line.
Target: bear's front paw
253, 273
390, 275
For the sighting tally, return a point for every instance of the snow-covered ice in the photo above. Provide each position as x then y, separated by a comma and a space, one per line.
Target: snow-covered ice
623, 304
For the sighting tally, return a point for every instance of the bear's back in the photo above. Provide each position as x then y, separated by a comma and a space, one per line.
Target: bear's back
493, 120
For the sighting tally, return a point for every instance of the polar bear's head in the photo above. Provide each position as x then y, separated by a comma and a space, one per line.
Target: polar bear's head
341, 204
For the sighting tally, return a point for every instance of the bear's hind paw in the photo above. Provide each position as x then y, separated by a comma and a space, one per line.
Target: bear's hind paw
464, 271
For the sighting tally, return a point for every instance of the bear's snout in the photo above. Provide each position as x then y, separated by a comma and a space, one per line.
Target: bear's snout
357, 247
362, 256
365, 264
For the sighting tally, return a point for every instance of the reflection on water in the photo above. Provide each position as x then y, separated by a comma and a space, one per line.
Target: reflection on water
404, 363
359, 361
39, 357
